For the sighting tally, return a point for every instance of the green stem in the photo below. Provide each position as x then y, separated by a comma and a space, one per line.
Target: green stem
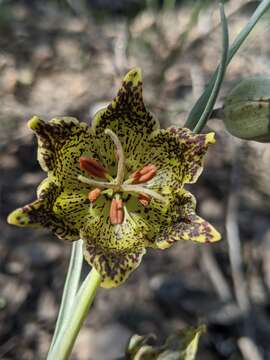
68, 334
70, 288
220, 74
198, 108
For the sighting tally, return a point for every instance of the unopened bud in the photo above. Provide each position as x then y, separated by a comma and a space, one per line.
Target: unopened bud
246, 112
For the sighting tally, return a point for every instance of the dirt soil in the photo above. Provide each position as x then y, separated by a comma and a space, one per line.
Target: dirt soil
60, 60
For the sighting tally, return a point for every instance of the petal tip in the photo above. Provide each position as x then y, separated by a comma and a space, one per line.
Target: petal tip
163, 245
216, 236
211, 138
18, 217
134, 75
34, 123
208, 234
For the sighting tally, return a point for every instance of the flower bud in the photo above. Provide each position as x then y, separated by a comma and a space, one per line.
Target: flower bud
246, 112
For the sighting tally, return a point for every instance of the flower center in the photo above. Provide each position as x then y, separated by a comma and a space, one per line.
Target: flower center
135, 184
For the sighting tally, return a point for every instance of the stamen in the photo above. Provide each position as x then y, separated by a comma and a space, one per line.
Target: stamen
94, 195
143, 175
144, 199
116, 212
148, 176
147, 168
92, 167
144, 190
120, 156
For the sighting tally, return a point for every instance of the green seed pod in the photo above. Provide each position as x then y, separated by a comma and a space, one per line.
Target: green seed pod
246, 111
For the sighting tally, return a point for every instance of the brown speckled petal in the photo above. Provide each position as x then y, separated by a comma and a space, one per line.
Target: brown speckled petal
178, 155
187, 225
40, 213
61, 143
107, 245
113, 266
128, 118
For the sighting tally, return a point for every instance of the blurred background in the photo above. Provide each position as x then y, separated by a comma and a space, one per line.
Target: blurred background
67, 58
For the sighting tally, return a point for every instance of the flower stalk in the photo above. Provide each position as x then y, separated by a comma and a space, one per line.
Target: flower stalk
66, 337
70, 288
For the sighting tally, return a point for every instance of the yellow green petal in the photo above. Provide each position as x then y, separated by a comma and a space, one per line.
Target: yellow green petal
61, 142
149, 220
40, 213
73, 206
178, 155
99, 229
113, 266
187, 225
129, 119
107, 245
116, 250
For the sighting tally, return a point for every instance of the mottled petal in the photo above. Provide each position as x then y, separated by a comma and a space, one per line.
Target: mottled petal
73, 206
129, 119
116, 250
113, 266
123, 243
149, 219
61, 143
178, 155
40, 213
99, 229
187, 225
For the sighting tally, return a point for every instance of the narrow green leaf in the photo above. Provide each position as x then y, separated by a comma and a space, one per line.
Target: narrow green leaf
70, 288
68, 333
199, 106
220, 73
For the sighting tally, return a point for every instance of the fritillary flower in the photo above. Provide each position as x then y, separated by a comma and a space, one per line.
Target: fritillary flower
119, 184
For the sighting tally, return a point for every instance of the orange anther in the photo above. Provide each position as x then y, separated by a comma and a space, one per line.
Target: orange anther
147, 169
92, 167
144, 199
144, 174
135, 176
148, 176
94, 194
116, 212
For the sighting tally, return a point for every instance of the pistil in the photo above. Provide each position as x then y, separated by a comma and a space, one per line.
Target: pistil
143, 190
120, 156
97, 184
